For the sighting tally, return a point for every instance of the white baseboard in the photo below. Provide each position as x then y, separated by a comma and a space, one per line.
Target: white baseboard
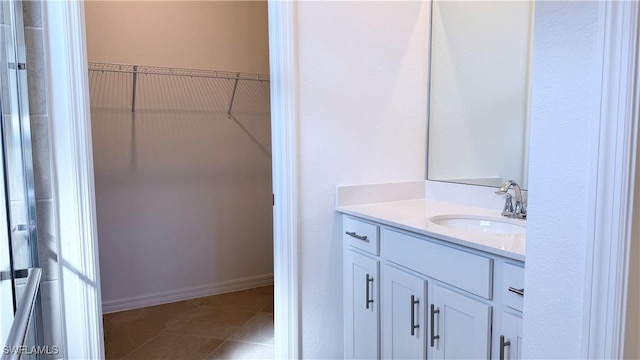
186, 293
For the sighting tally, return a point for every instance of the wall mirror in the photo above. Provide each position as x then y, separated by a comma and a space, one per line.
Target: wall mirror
479, 91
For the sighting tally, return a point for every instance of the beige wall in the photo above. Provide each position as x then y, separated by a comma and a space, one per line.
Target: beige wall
217, 35
632, 346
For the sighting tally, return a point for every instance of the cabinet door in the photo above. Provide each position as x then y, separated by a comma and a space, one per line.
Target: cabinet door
404, 326
461, 326
511, 329
361, 307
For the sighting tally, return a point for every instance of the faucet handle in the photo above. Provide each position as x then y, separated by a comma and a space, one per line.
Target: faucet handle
508, 204
506, 186
520, 210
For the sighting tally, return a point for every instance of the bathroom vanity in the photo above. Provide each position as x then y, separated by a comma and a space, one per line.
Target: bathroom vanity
439, 273
431, 279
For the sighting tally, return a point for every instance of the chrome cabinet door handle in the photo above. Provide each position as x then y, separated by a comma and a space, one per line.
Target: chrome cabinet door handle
434, 337
503, 344
517, 291
414, 326
359, 237
369, 280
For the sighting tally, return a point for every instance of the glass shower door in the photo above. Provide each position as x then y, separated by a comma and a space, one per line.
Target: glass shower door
18, 235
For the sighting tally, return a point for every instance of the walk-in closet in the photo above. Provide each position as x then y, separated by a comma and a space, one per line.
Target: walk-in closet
180, 117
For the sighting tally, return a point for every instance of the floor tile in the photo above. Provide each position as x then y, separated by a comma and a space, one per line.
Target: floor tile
242, 350
159, 313
212, 322
193, 329
175, 346
124, 331
259, 329
121, 339
246, 300
268, 308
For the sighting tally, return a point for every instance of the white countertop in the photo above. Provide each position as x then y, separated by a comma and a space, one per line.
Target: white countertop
413, 215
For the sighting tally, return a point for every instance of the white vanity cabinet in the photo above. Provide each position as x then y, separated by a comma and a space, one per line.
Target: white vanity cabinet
508, 339
361, 291
437, 300
361, 302
403, 314
461, 326
416, 316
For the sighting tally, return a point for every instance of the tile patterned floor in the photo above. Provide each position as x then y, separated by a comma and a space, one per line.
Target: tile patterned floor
236, 325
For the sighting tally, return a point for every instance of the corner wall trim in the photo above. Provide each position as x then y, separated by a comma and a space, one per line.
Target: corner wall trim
72, 174
186, 293
608, 273
285, 179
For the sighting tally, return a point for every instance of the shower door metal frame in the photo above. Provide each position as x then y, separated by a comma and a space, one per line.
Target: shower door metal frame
25, 129
18, 85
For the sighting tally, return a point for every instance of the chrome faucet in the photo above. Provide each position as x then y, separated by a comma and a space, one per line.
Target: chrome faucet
517, 210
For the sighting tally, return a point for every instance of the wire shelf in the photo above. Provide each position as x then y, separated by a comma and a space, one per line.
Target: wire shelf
178, 103
170, 71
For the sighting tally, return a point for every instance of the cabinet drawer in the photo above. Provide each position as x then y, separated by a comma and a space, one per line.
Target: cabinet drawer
360, 234
512, 278
467, 271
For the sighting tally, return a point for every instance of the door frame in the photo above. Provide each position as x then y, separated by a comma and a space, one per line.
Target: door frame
287, 322
65, 49
607, 275
72, 177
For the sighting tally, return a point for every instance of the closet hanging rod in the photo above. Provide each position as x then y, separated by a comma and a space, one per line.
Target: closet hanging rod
158, 70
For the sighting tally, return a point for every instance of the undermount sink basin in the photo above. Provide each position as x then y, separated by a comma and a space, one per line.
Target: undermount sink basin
476, 223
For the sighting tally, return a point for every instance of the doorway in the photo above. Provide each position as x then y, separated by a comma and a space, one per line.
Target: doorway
181, 146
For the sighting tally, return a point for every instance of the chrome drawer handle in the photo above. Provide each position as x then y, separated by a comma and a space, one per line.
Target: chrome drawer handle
434, 337
503, 344
359, 237
369, 280
517, 291
414, 326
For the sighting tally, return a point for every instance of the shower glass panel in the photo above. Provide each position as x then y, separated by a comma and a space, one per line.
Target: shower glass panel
18, 236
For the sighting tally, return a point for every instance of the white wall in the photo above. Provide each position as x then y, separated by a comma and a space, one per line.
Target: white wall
219, 35
183, 193
563, 143
362, 96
